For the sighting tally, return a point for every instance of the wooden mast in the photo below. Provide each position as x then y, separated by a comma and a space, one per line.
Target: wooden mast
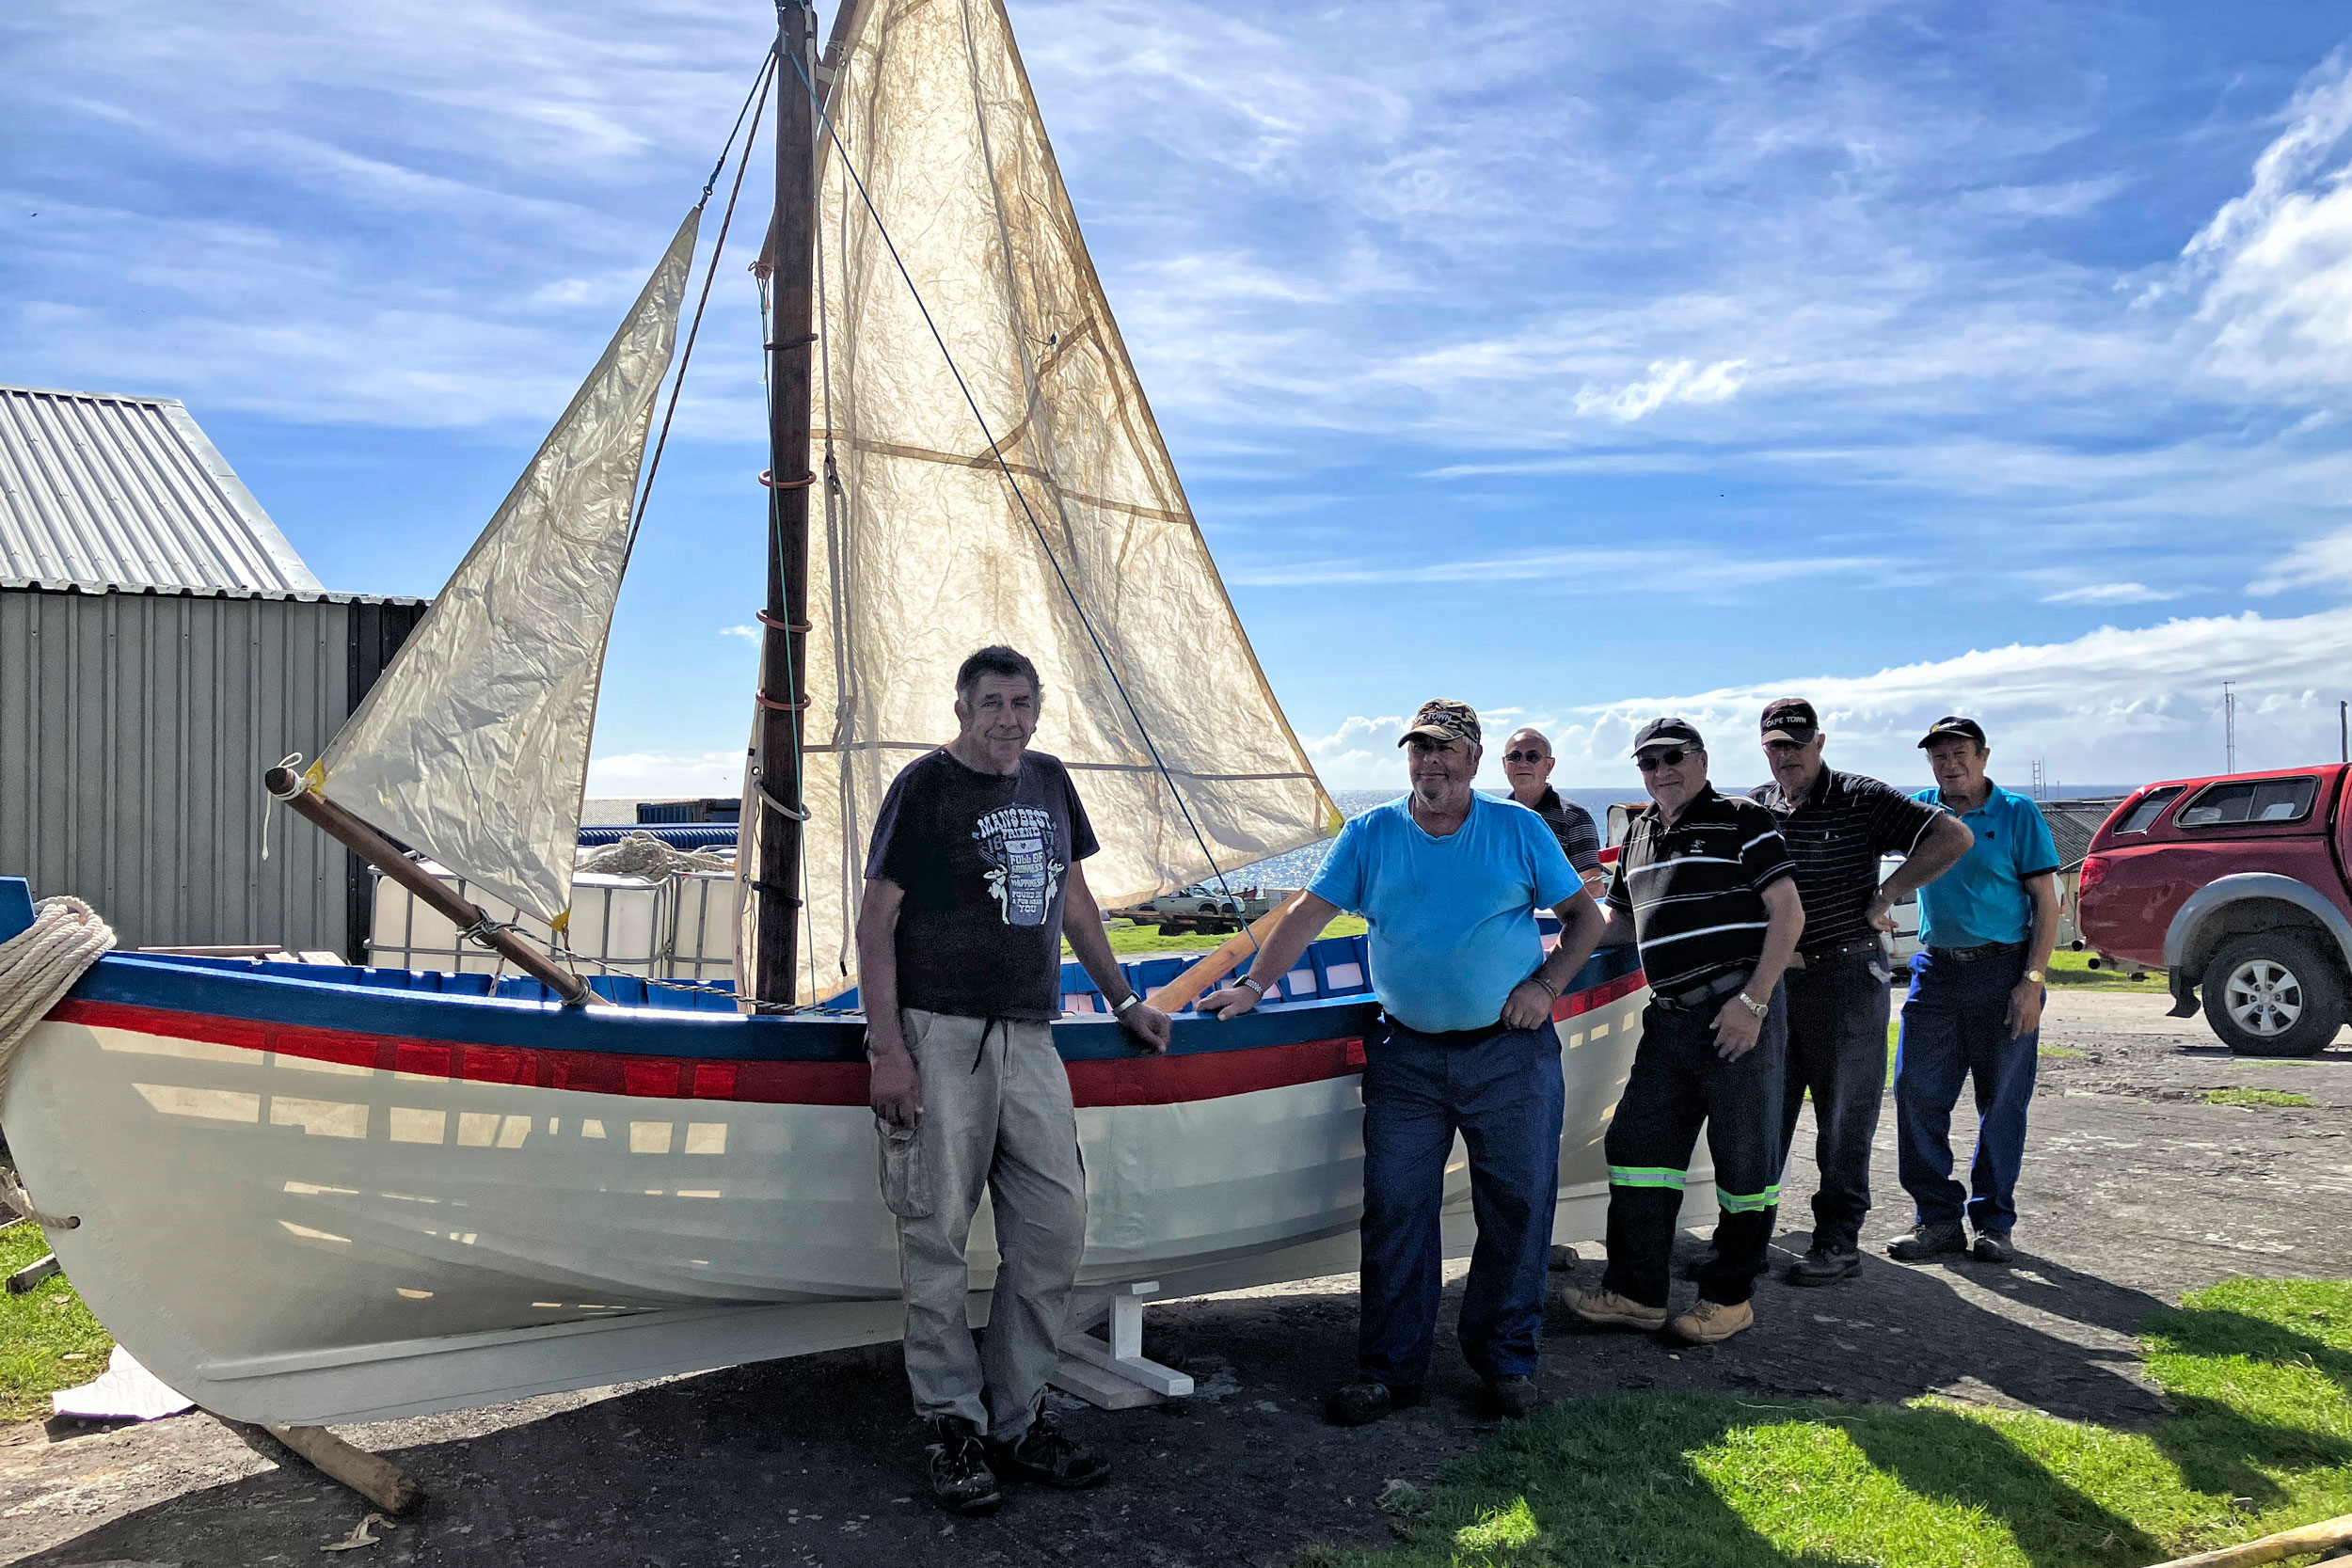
783, 660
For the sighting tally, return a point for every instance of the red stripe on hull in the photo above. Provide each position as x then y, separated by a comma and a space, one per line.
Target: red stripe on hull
1135, 1081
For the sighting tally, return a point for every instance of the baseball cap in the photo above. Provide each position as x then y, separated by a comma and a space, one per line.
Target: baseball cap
1667, 732
1442, 719
1953, 724
1790, 719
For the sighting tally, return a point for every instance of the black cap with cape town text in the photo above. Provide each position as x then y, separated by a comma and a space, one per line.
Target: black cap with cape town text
1667, 732
1790, 719
1950, 726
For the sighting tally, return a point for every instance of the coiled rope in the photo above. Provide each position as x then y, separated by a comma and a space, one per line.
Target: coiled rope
38, 967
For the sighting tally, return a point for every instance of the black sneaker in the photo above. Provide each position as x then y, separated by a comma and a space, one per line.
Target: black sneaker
1928, 1241
962, 1482
1364, 1402
1824, 1266
1993, 1246
1514, 1397
1049, 1456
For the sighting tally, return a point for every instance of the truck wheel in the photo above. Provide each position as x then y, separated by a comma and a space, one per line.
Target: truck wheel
2271, 995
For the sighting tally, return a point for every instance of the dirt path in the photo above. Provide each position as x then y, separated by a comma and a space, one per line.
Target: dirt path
2134, 1191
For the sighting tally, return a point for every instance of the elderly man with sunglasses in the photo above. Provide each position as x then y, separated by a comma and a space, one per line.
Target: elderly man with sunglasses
1703, 885
1837, 825
1448, 881
1527, 763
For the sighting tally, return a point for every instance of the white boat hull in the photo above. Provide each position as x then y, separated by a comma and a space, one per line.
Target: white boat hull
288, 1239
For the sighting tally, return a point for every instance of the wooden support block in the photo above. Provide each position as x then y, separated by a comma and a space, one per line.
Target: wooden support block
32, 1273
382, 1483
1101, 1389
1165, 1382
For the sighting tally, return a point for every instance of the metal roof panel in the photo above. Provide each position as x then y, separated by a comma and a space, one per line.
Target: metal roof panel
104, 491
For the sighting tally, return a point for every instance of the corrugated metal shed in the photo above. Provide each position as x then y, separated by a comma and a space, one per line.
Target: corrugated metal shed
135, 727
99, 491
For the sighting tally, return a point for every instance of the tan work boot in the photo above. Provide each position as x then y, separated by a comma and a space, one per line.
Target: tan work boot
1608, 1309
1711, 1322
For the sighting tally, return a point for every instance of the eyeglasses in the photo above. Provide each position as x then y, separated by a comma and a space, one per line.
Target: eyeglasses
1665, 756
1525, 756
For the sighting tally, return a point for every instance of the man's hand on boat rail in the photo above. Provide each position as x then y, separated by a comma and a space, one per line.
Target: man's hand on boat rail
1149, 1025
896, 1088
1230, 1002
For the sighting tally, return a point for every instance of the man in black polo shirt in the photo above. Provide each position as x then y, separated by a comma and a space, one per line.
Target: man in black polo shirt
1703, 885
1837, 826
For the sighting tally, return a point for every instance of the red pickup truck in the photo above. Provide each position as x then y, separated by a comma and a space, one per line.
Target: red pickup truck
2241, 885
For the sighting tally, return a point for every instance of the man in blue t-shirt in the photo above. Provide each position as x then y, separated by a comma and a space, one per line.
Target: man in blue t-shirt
1986, 930
1448, 881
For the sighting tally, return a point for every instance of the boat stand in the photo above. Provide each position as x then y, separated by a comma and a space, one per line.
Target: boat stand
1113, 1374
376, 1479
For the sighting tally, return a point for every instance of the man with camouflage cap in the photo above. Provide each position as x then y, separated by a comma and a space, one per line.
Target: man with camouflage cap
1448, 881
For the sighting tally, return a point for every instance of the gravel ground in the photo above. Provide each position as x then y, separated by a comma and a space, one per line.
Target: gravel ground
2134, 1191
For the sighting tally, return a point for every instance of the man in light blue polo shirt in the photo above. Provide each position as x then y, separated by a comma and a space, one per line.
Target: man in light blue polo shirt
1448, 881
1986, 930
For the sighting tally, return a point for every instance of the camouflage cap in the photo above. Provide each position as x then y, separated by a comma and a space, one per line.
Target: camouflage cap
1442, 719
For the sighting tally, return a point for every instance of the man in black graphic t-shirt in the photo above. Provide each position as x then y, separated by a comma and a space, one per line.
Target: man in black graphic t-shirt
974, 861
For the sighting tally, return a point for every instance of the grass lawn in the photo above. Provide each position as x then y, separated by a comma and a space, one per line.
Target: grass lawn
2256, 1096
2260, 1378
1129, 939
38, 1330
2073, 971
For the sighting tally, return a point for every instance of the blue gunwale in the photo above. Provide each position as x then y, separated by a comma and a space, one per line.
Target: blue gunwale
373, 1002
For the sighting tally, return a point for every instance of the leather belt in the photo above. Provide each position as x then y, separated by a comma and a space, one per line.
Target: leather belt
1977, 954
1831, 953
1683, 1001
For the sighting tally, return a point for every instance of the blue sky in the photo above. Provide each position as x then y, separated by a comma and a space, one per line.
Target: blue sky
1580, 362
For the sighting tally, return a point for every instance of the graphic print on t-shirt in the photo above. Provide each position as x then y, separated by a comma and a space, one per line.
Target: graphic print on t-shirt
1017, 843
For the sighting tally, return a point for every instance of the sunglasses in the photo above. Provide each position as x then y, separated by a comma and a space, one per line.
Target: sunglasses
1525, 756
1665, 756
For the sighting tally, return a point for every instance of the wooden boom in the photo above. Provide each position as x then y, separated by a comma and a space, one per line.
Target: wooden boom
430, 891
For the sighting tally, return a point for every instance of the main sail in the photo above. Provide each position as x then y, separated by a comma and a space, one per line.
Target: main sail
473, 746
925, 552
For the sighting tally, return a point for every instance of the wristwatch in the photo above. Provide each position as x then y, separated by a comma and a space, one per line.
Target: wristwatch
1254, 984
1118, 1009
2035, 975
1759, 1008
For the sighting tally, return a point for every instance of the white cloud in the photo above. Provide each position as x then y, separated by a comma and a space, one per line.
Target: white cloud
2278, 257
642, 775
1678, 382
2311, 564
2109, 593
1694, 569
749, 634
2114, 706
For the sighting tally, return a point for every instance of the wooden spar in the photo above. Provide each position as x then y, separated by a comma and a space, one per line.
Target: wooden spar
783, 668
432, 891
377, 1480
2327, 1536
1187, 987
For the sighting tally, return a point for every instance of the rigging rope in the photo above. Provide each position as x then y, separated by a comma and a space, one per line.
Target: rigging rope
693, 331
1005, 469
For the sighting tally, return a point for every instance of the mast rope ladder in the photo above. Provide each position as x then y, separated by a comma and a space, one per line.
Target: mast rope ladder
1005, 469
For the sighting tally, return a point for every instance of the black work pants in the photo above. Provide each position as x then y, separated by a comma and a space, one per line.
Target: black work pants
1837, 1016
1679, 1083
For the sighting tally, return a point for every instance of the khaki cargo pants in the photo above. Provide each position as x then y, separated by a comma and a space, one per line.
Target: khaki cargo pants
997, 1114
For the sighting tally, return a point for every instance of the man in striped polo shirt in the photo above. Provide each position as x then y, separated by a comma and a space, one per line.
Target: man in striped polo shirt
1837, 825
1703, 885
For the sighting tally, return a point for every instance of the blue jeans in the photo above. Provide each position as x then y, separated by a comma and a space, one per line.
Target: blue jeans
1504, 1095
1956, 1028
